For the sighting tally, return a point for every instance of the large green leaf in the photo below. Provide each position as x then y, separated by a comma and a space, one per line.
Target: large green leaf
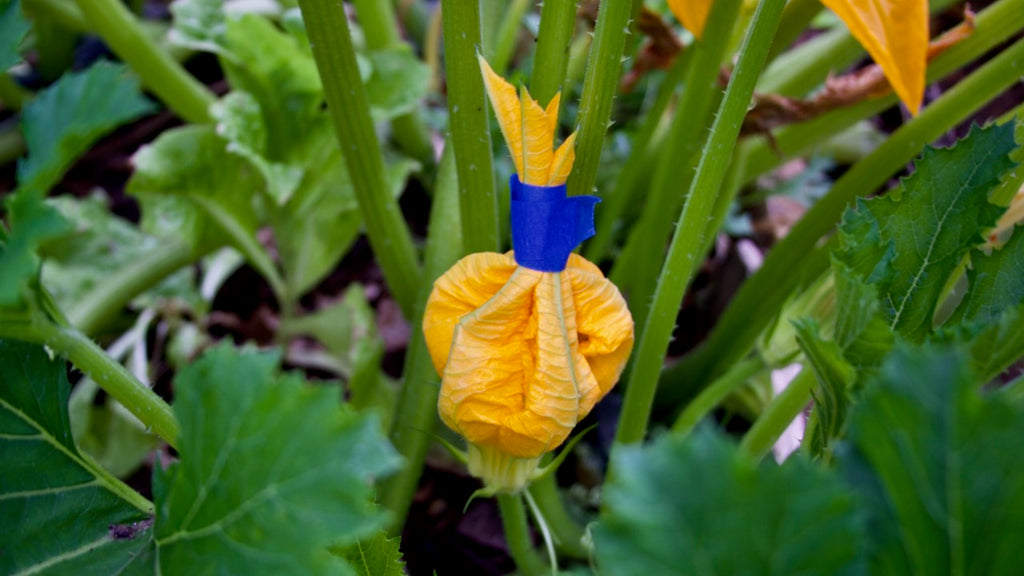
13, 28
64, 120
938, 468
272, 472
398, 82
199, 25
32, 222
61, 513
908, 242
697, 506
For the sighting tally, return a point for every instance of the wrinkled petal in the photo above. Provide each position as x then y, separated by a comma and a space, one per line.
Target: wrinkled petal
523, 363
895, 33
561, 164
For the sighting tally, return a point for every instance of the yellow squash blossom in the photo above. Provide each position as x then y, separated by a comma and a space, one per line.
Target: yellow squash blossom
525, 351
894, 32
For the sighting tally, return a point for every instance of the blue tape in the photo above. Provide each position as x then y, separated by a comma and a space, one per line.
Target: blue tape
547, 225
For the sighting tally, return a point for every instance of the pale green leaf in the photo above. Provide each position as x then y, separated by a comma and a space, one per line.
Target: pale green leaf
273, 471
64, 120
60, 513
835, 377
937, 467
996, 282
696, 505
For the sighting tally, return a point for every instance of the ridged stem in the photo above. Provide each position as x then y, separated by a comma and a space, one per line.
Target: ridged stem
687, 247
470, 134
517, 535
600, 82
347, 102
159, 72
551, 58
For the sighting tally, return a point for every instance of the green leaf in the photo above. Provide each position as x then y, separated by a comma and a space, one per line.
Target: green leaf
107, 431
908, 242
97, 245
199, 25
938, 468
190, 185
996, 282
860, 330
13, 28
64, 120
347, 328
399, 81
376, 556
32, 222
272, 472
697, 506
835, 378
62, 514
241, 123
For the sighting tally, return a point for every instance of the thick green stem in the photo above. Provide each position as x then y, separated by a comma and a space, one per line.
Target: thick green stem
149, 408
62, 12
636, 270
381, 30
471, 136
716, 393
159, 72
517, 535
551, 59
636, 171
347, 102
416, 410
55, 47
99, 306
779, 415
763, 294
599, 86
686, 251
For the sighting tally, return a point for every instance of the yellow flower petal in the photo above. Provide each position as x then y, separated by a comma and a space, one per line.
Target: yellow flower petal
506, 107
561, 164
538, 138
522, 362
551, 111
895, 33
691, 13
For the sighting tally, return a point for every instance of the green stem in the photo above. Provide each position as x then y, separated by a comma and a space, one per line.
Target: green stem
159, 72
779, 415
685, 252
760, 297
568, 534
55, 47
471, 136
508, 33
346, 98
517, 535
150, 409
99, 306
415, 17
797, 15
716, 393
380, 27
636, 171
60, 12
802, 69
636, 270
599, 86
416, 409
551, 58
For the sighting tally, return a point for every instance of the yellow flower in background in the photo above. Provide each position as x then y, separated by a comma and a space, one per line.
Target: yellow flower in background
524, 353
894, 32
